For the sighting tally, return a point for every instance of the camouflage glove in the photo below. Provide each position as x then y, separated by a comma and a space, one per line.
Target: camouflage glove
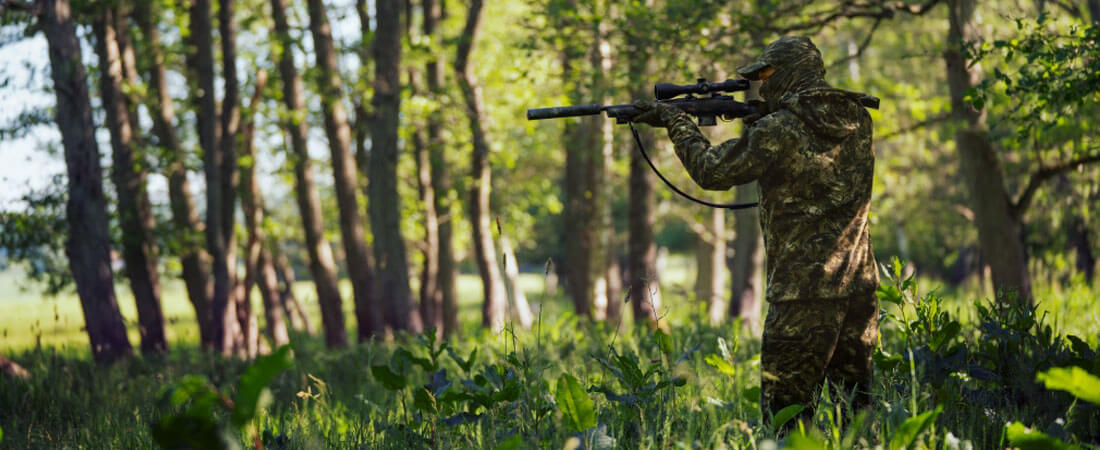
653, 113
761, 106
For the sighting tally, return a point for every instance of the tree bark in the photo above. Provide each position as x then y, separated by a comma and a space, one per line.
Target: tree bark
299, 320
446, 292
521, 309
88, 244
185, 221
345, 175
258, 265
234, 337
492, 285
385, 203
999, 230
431, 299
710, 258
747, 264
135, 212
321, 263
643, 286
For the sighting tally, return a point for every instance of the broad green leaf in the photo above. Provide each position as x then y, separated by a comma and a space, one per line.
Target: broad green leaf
255, 379
1024, 438
911, 429
575, 404
785, 415
1074, 380
803, 441
664, 341
424, 400
389, 379
721, 364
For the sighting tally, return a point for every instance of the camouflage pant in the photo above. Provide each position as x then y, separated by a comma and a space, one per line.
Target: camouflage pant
806, 341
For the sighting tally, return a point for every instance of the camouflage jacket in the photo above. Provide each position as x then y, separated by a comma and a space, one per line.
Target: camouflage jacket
813, 159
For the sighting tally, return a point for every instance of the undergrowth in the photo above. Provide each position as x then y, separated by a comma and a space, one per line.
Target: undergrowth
1008, 380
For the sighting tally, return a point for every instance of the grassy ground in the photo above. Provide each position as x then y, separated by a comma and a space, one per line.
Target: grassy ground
634, 388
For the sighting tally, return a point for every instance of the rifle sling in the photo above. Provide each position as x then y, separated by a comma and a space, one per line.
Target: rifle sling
641, 148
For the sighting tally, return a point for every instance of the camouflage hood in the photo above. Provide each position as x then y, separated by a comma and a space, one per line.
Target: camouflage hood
798, 68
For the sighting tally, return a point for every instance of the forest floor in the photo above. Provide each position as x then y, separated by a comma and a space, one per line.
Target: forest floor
951, 373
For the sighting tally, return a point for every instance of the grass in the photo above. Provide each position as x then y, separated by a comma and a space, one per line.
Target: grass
699, 390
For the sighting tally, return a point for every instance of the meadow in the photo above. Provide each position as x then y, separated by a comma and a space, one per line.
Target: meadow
950, 374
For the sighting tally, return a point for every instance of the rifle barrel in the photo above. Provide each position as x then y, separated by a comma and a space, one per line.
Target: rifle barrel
555, 112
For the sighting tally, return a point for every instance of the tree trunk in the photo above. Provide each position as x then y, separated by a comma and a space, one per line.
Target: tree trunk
185, 220
135, 212
234, 337
521, 309
440, 177
294, 310
345, 175
431, 298
999, 230
747, 264
362, 116
258, 265
321, 264
710, 258
492, 285
385, 203
88, 244
586, 208
643, 286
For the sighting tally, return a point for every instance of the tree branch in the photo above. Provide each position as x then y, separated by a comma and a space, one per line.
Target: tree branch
924, 123
1044, 174
33, 8
862, 46
848, 10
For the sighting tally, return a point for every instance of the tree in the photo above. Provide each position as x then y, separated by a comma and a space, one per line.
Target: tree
139, 250
492, 285
445, 294
88, 245
259, 266
185, 221
321, 263
384, 200
345, 174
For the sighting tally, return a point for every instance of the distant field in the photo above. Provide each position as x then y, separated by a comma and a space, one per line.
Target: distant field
29, 319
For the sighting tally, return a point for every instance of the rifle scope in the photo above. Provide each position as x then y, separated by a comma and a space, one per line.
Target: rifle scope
665, 91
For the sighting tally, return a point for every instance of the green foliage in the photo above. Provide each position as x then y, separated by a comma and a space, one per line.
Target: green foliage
197, 420
1024, 438
35, 238
575, 405
1075, 380
907, 434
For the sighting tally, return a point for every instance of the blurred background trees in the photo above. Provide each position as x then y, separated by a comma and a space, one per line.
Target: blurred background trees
985, 143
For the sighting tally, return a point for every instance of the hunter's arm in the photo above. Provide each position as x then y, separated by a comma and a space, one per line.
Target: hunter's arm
733, 162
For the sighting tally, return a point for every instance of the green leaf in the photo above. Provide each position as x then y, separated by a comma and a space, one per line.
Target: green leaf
721, 364
424, 400
944, 335
1024, 438
664, 341
512, 443
1, 434
389, 379
785, 415
255, 379
575, 404
803, 441
911, 429
1074, 380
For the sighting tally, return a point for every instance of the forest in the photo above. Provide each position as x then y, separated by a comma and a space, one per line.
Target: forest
329, 224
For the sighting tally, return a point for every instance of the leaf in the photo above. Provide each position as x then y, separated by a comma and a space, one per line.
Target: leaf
803, 441
1074, 380
255, 379
664, 341
944, 335
424, 400
388, 378
1024, 438
785, 415
512, 443
909, 430
575, 404
721, 364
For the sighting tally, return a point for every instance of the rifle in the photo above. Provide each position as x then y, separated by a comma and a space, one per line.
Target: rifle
705, 109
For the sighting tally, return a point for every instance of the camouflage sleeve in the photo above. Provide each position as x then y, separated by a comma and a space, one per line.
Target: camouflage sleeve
733, 162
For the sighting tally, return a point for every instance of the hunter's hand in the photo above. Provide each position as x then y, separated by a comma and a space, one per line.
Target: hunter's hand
651, 113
